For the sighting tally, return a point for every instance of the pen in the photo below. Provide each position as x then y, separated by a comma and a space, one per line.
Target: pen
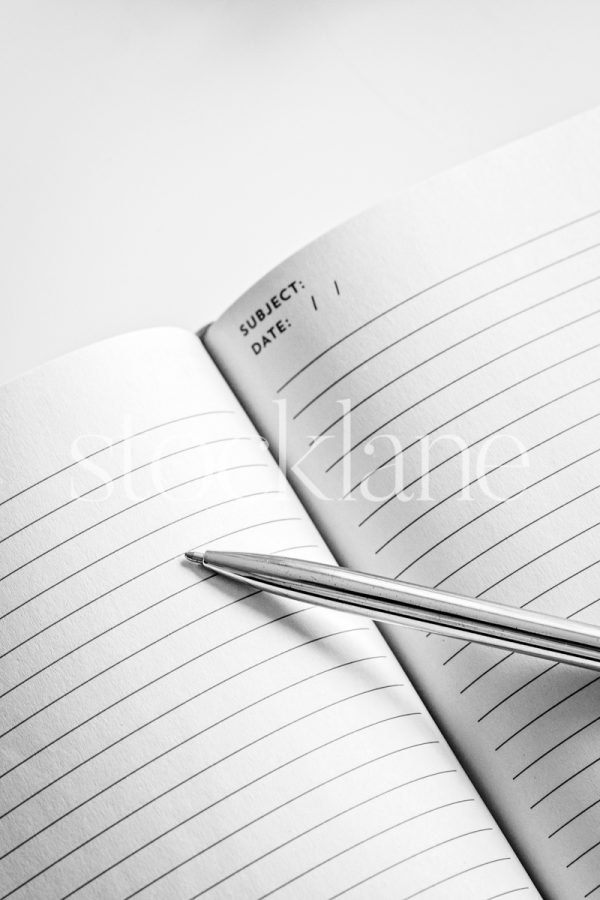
400, 603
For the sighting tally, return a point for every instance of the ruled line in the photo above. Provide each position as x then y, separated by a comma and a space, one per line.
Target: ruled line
547, 590
548, 709
125, 659
469, 409
101, 634
143, 687
464, 647
436, 284
212, 765
485, 672
130, 618
309, 791
508, 655
221, 799
564, 581
297, 547
184, 741
118, 477
503, 894
500, 428
452, 346
592, 602
287, 803
414, 856
526, 525
138, 728
459, 378
501, 503
159, 565
554, 747
125, 509
515, 692
215, 412
130, 544
535, 559
494, 506
573, 818
326, 822
465, 872
456, 653
198, 734
565, 781
581, 855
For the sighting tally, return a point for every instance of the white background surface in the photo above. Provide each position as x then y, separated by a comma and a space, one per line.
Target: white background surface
158, 156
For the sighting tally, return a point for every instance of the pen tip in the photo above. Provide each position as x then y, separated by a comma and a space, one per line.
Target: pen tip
195, 557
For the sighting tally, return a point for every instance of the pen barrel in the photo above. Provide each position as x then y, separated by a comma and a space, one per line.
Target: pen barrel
425, 609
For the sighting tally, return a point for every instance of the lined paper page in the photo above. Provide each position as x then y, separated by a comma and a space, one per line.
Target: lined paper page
168, 734
461, 328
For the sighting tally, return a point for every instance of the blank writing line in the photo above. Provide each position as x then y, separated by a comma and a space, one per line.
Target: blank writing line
221, 799
503, 894
125, 509
455, 654
436, 284
494, 506
564, 581
561, 506
414, 856
139, 728
552, 587
550, 750
147, 684
566, 781
545, 712
186, 740
485, 672
195, 775
145, 572
500, 428
450, 347
124, 659
101, 634
310, 790
464, 412
304, 794
465, 872
116, 478
535, 559
345, 850
515, 692
572, 819
581, 855
459, 378
129, 619
136, 540
215, 412
501, 503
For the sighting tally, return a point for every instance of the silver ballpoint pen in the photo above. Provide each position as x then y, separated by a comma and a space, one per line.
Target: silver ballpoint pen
400, 603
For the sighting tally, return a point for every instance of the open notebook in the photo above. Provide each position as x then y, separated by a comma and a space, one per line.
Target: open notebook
167, 734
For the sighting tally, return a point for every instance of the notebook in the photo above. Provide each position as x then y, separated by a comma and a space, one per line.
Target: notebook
415, 394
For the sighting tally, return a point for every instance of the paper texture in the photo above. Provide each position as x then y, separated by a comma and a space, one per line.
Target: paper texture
461, 328
168, 734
